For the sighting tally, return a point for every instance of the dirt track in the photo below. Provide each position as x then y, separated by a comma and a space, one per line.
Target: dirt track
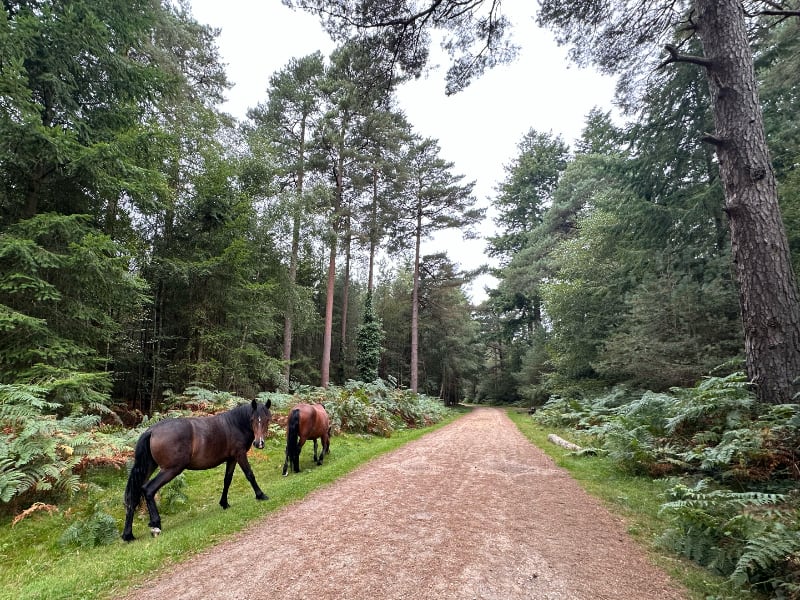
433, 520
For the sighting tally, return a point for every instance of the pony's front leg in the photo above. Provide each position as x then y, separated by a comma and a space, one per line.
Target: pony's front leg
248, 472
230, 466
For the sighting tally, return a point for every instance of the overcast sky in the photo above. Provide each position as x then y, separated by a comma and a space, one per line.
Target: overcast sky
478, 129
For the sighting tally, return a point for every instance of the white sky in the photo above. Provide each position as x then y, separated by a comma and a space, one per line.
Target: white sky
478, 129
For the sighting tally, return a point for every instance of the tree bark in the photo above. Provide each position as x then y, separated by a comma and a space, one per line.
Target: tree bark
414, 382
373, 230
328, 331
559, 441
288, 322
331, 287
345, 298
767, 287
288, 319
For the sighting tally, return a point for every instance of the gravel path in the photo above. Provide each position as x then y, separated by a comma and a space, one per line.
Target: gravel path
432, 520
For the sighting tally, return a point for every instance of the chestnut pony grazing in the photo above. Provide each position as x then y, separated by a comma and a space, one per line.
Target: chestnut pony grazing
195, 443
306, 422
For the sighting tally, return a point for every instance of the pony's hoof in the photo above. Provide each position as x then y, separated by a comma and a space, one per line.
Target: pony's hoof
155, 531
127, 537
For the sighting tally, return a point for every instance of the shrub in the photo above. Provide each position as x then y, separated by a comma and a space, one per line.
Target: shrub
39, 452
377, 408
100, 529
751, 537
733, 521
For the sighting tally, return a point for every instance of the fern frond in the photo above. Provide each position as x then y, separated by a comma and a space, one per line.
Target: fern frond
763, 553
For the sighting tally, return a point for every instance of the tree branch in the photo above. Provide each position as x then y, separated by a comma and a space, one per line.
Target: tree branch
777, 9
779, 13
713, 140
676, 57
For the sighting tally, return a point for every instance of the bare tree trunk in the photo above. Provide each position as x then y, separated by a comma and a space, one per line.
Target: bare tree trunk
326, 336
38, 174
345, 298
325, 370
414, 383
33, 191
373, 230
767, 287
288, 324
288, 321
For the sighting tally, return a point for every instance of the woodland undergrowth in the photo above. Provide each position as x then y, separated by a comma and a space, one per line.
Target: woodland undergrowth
733, 465
46, 449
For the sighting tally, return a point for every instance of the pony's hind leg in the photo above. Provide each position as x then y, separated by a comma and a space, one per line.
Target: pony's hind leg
149, 491
324, 448
316, 460
296, 456
142, 469
127, 532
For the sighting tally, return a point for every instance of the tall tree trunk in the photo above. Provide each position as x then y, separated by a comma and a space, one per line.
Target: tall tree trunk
345, 298
151, 395
32, 193
288, 320
767, 287
38, 174
288, 323
325, 370
111, 216
327, 333
373, 230
414, 383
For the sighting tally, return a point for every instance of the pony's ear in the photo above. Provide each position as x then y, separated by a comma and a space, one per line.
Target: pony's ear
268, 404
254, 404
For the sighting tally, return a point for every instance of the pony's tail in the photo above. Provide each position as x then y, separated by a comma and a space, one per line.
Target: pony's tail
293, 439
143, 467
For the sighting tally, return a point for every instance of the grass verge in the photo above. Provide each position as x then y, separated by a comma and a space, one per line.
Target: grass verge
637, 500
35, 565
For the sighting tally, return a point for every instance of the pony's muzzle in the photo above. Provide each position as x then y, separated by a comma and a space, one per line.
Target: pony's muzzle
259, 444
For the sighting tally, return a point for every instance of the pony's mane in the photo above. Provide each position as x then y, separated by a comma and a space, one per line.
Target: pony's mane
240, 414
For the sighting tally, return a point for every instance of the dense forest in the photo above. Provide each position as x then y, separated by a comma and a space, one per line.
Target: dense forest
150, 243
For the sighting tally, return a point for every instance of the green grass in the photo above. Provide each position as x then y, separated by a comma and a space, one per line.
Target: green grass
637, 500
33, 565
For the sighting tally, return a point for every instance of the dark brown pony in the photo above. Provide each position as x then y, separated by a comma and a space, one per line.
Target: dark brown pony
195, 443
306, 422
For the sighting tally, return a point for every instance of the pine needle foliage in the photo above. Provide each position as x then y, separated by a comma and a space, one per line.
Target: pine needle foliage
370, 342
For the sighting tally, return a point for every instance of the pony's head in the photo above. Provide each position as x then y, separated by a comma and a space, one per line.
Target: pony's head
259, 420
